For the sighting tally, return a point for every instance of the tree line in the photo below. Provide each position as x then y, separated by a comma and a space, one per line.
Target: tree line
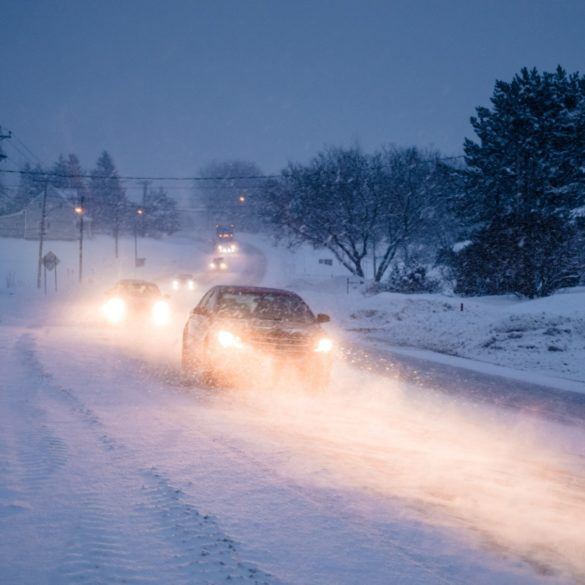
508, 218
101, 194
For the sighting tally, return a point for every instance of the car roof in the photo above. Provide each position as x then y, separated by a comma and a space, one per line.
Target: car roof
253, 289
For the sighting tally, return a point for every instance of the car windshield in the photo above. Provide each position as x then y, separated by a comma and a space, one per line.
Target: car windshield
263, 305
139, 289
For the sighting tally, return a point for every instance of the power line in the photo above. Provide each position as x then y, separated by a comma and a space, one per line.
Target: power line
142, 178
89, 176
21, 153
27, 149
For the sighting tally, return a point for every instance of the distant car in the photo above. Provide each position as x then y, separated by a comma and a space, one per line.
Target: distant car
226, 247
235, 330
138, 301
218, 264
183, 281
224, 232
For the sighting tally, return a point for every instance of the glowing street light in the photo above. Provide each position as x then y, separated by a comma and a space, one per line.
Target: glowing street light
139, 213
242, 199
79, 211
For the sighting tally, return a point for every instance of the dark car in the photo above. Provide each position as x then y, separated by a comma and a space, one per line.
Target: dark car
132, 299
218, 264
242, 332
183, 282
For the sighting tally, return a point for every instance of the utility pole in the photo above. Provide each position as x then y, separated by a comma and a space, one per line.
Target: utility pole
42, 233
139, 213
145, 184
80, 210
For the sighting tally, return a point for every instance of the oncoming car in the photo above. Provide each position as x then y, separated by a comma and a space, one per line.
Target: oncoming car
183, 281
218, 264
138, 301
241, 332
226, 248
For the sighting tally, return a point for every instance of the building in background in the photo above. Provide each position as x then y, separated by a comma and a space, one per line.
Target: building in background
61, 220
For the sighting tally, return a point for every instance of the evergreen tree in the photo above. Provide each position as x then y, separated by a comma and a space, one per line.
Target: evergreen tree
160, 214
59, 171
66, 174
229, 198
526, 176
30, 185
76, 181
5, 198
107, 203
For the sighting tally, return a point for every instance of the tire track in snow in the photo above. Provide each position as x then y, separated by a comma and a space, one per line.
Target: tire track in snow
410, 556
137, 528
39, 452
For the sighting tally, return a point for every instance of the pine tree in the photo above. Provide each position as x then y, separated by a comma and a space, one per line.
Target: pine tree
526, 177
107, 203
30, 185
59, 171
160, 214
76, 181
66, 174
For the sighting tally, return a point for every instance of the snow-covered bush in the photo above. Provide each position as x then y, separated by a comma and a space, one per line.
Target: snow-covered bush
411, 278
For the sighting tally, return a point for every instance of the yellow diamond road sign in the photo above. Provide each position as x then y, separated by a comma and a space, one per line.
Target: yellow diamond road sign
50, 260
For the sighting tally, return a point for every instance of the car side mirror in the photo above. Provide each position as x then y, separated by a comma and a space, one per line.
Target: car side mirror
322, 318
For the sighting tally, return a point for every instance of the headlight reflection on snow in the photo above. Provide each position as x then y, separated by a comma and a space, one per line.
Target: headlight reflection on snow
161, 313
114, 310
324, 345
451, 464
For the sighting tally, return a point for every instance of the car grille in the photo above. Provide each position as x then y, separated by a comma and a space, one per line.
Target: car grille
280, 342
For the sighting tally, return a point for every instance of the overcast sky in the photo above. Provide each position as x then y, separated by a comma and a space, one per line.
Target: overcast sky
167, 85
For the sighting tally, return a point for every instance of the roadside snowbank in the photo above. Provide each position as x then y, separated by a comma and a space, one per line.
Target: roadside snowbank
545, 336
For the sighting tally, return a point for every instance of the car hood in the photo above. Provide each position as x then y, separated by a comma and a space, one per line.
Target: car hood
268, 325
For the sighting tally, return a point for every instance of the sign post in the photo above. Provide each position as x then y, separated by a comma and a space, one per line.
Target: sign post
50, 262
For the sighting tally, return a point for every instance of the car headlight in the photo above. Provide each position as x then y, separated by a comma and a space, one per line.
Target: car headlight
324, 345
228, 340
161, 313
223, 266
175, 285
114, 310
191, 285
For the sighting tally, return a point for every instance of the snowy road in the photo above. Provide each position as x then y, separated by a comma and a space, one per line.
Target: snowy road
112, 471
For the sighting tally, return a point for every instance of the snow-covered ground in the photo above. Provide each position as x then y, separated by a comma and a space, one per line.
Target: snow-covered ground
112, 471
544, 336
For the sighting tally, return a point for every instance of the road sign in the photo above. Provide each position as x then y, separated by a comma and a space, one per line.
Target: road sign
50, 261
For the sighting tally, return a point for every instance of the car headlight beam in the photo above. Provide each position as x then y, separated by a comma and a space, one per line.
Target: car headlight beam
161, 313
228, 340
114, 310
324, 345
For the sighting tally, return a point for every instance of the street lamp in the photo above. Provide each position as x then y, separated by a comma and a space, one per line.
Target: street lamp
79, 211
139, 213
242, 199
